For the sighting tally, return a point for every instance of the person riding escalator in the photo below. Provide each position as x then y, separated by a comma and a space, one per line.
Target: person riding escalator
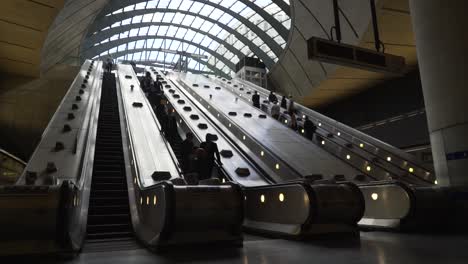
212, 151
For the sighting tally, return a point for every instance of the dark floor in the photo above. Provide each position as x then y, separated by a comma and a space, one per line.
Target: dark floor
372, 247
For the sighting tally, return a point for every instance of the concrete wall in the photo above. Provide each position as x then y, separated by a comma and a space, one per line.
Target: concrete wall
26, 106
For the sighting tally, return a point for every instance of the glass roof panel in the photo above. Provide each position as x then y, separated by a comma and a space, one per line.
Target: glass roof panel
223, 28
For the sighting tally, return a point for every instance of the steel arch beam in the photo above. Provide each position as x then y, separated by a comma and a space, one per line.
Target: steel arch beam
110, 20
285, 7
97, 50
282, 30
274, 46
215, 70
121, 29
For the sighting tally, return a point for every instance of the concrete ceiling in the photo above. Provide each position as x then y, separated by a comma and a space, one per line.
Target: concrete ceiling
23, 29
396, 33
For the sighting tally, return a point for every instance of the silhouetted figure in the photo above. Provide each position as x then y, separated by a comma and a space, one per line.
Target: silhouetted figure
256, 100
146, 84
109, 65
211, 149
291, 109
187, 148
158, 86
283, 102
272, 97
275, 110
171, 125
161, 114
293, 124
201, 163
309, 128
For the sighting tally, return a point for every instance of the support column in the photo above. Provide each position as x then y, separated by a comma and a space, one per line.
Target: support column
441, 32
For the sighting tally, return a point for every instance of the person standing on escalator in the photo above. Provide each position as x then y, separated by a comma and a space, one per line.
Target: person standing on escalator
272, 97
211, 149
146, 84
275, 110
256, 100
309, 128
187, 148
158, 86
283, 102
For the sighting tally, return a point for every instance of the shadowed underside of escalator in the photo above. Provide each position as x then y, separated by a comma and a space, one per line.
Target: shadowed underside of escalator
109, 213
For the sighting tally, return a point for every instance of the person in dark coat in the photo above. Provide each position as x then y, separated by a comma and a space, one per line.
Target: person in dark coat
291, 108
211, 149
146, 84
283, 102
187, 148
309, 128
161, 114
272, 97
256, 100
200, 163
171, 125
158, 86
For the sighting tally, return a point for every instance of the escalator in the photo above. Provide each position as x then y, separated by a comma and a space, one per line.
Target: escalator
109, 213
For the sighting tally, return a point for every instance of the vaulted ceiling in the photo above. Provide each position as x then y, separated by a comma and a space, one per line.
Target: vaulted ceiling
23, 29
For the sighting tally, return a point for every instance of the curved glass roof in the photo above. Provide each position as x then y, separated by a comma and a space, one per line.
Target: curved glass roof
216, 33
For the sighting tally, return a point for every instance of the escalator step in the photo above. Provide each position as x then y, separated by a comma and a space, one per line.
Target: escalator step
108, 219
109, 235
109, 209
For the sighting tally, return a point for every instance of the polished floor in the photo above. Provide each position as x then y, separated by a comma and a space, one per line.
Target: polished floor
371, 247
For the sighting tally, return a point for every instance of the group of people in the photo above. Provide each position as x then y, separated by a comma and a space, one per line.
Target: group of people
198, 161
275, 111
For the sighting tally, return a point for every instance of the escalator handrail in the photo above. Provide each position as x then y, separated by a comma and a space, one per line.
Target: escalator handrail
135, 165
346, 130
353, 133
266, 177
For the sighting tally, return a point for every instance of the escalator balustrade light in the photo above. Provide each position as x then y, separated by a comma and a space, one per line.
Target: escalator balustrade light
277, 166
262, 153
320, 124
74, 200
243, 137
348, 157
141, 200
180, 121
323, 142
281, 197
147, 200
374, 196
262, 198
223, 181
135, 180
368, 168
435, 182
411, 170
218, 115
229, 124
155, 200
339, 134
389, 159
428, 173
245, 198
303, 116
285, 121
361, 145
302, 131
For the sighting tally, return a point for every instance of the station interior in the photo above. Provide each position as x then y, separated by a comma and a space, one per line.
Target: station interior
233, 131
